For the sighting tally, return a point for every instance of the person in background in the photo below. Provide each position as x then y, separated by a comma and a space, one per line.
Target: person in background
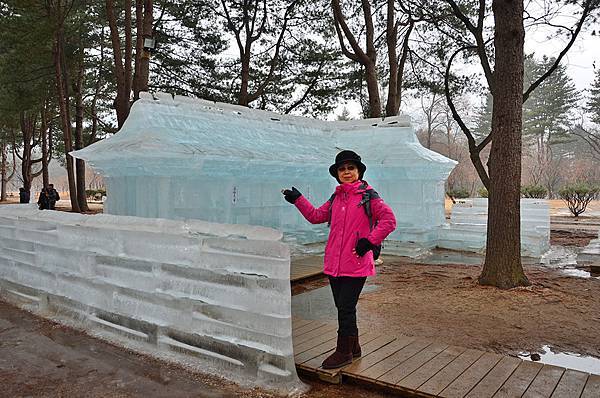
53, 197
23, 195
43, 200
355, 232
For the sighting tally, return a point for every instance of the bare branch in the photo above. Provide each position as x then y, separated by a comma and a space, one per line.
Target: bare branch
589, 6
473, 149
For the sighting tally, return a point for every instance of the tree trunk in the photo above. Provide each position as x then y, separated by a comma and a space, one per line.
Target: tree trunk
502, 267
373, 90
391, 41
63, 104
44, 139
122, 68
245, 76
144, 57
27, 127
80, 163
3, 173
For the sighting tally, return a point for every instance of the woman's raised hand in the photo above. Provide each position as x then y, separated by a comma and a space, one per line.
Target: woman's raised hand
291, 195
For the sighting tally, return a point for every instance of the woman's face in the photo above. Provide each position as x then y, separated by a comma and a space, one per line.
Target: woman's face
347, 173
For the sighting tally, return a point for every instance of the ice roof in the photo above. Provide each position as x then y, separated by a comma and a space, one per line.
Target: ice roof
167, 127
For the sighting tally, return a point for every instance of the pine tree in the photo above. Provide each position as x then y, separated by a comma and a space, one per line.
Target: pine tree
593, 103
547, 113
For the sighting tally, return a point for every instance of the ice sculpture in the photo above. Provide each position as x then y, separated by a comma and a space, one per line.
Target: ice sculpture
182, 158
467, 229
214, 297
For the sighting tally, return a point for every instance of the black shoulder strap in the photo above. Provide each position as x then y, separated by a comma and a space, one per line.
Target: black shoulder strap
330, 200
367, 196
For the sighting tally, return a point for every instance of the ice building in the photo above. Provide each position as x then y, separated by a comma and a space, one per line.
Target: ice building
184, 158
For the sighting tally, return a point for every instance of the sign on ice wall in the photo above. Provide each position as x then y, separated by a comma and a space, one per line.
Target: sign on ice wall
181, 158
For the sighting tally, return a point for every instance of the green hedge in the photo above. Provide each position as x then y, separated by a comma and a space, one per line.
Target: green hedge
458, 193
94, 192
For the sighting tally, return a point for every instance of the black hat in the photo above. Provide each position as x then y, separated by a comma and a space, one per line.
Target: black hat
347, 156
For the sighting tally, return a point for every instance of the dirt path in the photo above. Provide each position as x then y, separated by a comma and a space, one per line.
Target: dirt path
446, 304
39, 358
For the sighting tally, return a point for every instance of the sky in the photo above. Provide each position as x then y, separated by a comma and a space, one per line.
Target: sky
580, 62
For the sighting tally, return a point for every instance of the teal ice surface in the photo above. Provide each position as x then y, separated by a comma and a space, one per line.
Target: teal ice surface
187, 158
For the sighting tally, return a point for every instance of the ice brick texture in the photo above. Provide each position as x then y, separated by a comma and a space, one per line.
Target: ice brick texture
467, 229
182, 158
211, 295
590, 255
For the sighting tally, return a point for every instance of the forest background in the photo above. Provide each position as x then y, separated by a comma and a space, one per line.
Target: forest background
71, 69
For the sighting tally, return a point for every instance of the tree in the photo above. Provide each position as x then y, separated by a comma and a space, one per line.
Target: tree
26, 81
7, 168
547, 116
591, 135
126, 61
504, 77
378, 19
284, 61
593, 103
434, 115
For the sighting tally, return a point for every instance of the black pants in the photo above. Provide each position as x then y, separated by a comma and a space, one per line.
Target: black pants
346, 290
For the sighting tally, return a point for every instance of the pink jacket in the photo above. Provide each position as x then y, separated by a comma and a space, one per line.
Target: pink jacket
349, 223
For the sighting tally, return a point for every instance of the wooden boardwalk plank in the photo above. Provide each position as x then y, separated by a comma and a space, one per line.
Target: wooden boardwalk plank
315, 341
412, 364
321, 349
518, 382
496, 377
428, 370
395, 359
370, 342
470, 377
592, 387
297, 322
544, 383
315, 363
419, 367
448, 374
367, 361
316, 351
571, 384
314, 333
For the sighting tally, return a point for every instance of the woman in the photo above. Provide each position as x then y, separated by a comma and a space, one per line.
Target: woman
353, 236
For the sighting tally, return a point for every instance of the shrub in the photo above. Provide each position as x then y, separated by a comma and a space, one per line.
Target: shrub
578, 196
533, 191
92, 193
482, 192
458, 193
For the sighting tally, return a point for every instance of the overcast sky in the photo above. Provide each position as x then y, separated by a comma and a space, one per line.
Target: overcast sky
580, 62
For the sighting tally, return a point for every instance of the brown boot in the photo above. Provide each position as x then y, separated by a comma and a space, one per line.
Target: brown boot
342, 355
356, 351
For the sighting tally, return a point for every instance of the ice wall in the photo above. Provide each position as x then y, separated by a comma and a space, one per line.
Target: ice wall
590, 255
212, 296
467, 229
182, 158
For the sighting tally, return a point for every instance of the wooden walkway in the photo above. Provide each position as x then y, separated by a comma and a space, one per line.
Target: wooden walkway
420, 368
306, 267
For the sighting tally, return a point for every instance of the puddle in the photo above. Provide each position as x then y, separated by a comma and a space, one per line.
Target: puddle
440, 257
567, 360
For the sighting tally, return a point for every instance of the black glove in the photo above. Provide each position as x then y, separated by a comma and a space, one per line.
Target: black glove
291, 195
363, 246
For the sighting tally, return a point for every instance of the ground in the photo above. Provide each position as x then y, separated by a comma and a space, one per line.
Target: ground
439, 302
